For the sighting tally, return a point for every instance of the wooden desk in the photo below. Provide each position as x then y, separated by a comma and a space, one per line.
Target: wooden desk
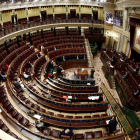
82, 74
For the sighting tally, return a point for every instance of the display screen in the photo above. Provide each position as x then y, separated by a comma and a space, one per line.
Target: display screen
109, 18
118, 19
137, 40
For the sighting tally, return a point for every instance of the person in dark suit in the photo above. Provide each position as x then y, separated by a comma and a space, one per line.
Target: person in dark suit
67, 131
112, 125
17, 84
29, 64
100, 98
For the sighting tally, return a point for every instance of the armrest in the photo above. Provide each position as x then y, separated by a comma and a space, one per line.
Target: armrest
65, 136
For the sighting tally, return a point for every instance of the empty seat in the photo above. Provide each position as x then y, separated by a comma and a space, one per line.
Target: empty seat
79, 136
98, 134
24, 121
18, 117
55, 133
1, 123
46, 131
14, 135
13, 113
4, 128
89, 135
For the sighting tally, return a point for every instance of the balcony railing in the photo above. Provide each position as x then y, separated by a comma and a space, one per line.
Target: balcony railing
14, 1
25, 26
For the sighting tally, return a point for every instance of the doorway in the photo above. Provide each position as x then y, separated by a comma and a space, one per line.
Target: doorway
73, 13
95, 15
12, 18
115, 45
43, 15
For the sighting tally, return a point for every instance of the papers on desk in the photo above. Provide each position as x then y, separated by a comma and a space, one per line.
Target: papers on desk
0, 110
93, 97
54, 72
37, 116
107, 121
69, 97
88, 84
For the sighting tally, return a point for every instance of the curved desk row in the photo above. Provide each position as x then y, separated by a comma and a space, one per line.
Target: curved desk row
47, 44
71, 88
59, 93
63, 51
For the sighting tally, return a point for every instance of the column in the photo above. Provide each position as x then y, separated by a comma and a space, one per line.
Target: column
54, 32
125, 19
27, 15
30, 39
79, 28
14, 17
66, 12
42, 33
40, 13
67, 30
53, 13
18, 42
80, 12
1, 21
92, 12
5, 43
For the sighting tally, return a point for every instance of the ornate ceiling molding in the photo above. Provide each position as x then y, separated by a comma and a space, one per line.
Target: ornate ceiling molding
7, 6
127, 3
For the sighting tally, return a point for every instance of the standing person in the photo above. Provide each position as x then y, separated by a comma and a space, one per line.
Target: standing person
67, 131
112, 125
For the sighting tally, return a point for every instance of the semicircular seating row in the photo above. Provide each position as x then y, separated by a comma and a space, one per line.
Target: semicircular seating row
15, 70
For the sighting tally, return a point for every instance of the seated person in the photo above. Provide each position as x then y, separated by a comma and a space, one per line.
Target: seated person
122, 54
49, 96
67, 131
39, 124
42, 47
79, 68
29, 64
30, 113
132, 61
100, 98
136, 94
37, 56
3, 76
17, 84
5, 67
112, 125
125, 75
26, 76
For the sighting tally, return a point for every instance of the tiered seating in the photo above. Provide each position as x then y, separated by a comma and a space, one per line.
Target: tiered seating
56, 53
13, 55
60, 16
73, 82
73, 32
34, 19
7, 25
22, 21
86, 16
72, 88
15, 66
25, 65
11, 111
38, 67
94, 35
